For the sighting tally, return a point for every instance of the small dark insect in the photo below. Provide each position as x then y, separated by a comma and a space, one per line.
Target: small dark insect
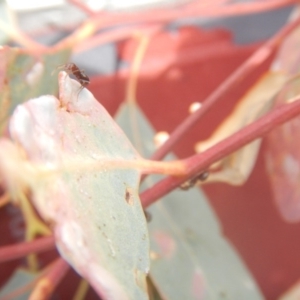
192, 182
81, 77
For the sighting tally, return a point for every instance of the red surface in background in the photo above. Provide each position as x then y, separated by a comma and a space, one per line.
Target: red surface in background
11, 231
178, 69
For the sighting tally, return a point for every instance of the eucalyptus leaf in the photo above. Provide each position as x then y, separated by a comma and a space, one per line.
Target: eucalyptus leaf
191, 259
97, 218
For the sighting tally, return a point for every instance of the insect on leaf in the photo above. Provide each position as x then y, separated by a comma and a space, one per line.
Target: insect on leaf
97, 217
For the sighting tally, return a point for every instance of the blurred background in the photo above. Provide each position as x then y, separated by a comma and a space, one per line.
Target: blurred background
187, 58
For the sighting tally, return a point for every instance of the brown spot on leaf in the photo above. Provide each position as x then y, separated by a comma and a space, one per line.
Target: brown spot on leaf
129, 196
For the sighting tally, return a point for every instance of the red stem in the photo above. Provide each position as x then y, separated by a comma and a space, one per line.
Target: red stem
50, 280
249, 66
200, 162
112, 35
103, 19
44, 285
83, 7
22, 249
196, 8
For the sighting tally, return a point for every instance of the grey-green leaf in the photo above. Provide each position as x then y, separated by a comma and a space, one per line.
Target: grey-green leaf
191, 258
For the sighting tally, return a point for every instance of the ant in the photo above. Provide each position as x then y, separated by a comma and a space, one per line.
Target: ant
192, 182
81, 77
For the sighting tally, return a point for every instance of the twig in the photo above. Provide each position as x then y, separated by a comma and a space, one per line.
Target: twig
81, 290
200, 162
175, 167
22, 249
249, 66
113, 35
83, 7
44, 284
143, 39
50, 280
248, 8
194, 9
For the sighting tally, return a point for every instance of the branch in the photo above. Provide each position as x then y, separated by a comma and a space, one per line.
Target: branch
249, 66
195, 9
50, 280
175, 167
22, 249
83, 7
200, 162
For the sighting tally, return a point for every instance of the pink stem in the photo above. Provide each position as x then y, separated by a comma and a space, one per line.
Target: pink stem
229, 84
195, 8
113, 35
103, 20
82, 6
200, 162
22, 249
50, 280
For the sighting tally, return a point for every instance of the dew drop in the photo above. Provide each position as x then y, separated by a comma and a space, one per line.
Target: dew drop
129, 196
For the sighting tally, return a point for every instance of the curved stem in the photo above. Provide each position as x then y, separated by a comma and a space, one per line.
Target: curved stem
143, 41
199, 162
113, 35
50, 280
83, 7
250, 65
22, 249
175, 167
194, 9
81, 290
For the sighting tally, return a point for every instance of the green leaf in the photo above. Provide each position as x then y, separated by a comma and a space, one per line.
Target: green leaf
25, 76
191, 258
98, 220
